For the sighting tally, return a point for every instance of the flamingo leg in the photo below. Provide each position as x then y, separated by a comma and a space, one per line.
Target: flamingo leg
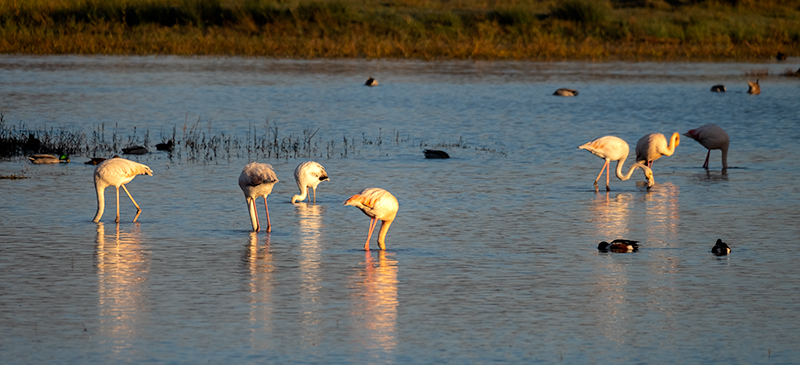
269, 225
705, 164
138, 210
117, 220
608, 167
600, 174
314, 189
372, 224
258, 223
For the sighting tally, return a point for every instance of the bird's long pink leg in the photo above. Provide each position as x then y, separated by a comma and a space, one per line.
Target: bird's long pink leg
269, 225
138, 210
315, 195
600, 174
117, 220
372, 223
705, 164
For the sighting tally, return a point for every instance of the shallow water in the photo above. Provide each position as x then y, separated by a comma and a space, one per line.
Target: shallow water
492, 257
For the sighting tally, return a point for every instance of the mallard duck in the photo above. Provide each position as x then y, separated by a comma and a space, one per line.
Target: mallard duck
47, 159
720, 248
618, 245
435, 154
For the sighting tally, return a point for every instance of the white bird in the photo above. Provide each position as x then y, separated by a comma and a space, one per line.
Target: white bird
712, 137
611, 148
48, 159
378, 204
257, 180
308, 175
116, 172
654, 145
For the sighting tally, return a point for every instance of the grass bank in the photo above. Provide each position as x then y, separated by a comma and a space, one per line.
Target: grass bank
423, 29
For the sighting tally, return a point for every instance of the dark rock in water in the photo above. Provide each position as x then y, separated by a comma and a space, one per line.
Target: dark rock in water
169, 146
135, 150
435, 154
718, 88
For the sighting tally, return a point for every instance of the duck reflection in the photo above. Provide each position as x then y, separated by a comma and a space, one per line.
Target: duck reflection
375, 302
258, 261
310, 262
122, 267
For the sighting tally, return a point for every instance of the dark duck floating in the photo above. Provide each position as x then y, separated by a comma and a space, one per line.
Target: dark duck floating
720, 248
169, 146
566, 92
435, 154
371, 82
95, 161
135, 150
718, 88
618, 246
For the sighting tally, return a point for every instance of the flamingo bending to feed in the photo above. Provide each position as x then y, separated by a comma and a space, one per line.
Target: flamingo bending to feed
257, 180
48, 159
378, 204
712, 137
654, 145
308, 174
116, 172
611, 148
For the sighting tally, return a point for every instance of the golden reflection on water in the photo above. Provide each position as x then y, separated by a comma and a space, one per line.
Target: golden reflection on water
611, 215
662, 214
311, 228
374, 307
260, 266
122, 267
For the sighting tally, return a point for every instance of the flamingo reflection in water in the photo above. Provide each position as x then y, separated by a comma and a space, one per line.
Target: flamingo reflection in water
376, 298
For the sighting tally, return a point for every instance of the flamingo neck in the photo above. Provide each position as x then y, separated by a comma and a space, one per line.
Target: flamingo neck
302, 196
101, 200
382, 234
618, 171
674, 141
630, 171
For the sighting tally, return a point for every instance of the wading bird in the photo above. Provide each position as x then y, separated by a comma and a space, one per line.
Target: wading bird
753, 88
257, 180
720, 248
611, 148
566, 92
308, 175
47, 159
712, 137
116, 172
378, 204
654, 145
618, 246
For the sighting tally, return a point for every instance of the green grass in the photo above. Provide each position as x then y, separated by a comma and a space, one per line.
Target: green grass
426, 29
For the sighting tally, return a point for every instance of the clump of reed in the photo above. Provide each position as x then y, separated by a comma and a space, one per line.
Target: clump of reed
198, 144
426, 29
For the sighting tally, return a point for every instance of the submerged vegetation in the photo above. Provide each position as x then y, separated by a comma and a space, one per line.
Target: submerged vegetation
194, 143
425, 29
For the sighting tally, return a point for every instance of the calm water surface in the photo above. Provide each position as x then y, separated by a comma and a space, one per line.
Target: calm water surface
493, 254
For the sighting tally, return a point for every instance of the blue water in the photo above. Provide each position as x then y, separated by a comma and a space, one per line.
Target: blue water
492, 257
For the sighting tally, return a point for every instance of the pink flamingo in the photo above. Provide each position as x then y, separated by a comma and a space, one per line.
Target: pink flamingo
257, 180
611, 148
116, 172
654, 145
712, 137
378, 204
308, 175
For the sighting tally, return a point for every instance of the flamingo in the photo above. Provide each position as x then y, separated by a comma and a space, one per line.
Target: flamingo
378, 204
712, 137
611, 148
720, 248
256, 180
753, 88
566, 92
308, 174
116, 172
48, 159
654, 145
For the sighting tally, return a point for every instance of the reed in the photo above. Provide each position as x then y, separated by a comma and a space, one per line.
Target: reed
425, 29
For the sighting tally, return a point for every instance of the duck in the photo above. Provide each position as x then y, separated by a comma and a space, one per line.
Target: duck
566, 92
48, 159
168, 146
753, 88
619, 245
435, 154
371, 82
720, 248
135, 150
718, 89
95, 160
